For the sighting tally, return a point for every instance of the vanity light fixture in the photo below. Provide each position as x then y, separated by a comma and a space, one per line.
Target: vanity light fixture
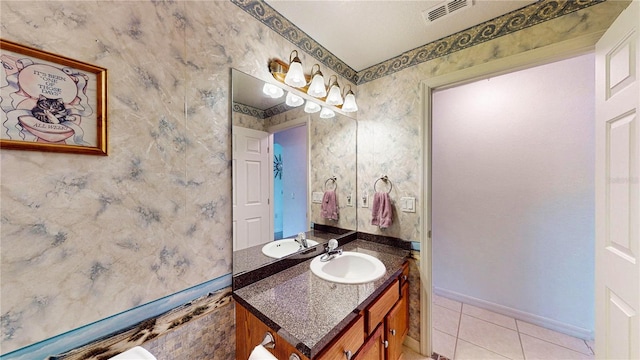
295, 75
292, 75
293, 100
310, 107
334, 97
272, 91
350, 102
327, 113
316, 88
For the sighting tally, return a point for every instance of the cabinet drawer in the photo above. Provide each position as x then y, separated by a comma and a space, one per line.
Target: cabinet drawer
379, 309
350, 340
404, 277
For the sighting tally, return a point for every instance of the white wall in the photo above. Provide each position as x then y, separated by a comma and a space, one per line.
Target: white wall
513, 192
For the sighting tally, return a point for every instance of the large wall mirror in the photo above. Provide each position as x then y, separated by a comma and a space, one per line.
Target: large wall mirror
286, 163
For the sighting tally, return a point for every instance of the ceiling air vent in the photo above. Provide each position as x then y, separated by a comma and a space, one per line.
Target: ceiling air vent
445, 8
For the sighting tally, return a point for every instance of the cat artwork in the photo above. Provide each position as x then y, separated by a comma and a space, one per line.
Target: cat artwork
50, 111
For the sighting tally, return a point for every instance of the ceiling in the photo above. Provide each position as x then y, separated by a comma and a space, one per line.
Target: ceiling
365, 33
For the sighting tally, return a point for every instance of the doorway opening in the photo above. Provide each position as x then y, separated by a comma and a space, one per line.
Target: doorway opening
290, 181
513, 211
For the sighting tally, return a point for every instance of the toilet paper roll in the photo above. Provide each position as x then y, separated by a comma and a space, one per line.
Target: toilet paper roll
260, 353
136, 353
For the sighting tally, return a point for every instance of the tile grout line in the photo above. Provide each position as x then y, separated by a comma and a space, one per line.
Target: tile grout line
589, 347
524, 356
455, 347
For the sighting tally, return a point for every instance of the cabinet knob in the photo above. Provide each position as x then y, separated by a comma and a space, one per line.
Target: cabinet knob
385, 343
348, 354
294, 357
404, 277
393, 332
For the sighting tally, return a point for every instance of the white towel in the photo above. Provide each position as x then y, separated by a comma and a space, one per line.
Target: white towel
260, 353
136, 353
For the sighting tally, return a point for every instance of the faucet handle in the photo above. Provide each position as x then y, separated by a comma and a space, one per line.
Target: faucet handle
302, 235
333, 244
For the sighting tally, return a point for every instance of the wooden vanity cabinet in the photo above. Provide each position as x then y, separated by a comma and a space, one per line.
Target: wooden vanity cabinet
250, 331
377, 333
373, 349
389, 315
396, 325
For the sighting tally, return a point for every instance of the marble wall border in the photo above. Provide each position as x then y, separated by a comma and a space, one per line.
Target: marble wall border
115, 324
516, 20
260, 114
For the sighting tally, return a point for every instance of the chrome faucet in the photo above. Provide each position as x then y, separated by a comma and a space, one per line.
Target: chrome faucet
302, 240
332, 251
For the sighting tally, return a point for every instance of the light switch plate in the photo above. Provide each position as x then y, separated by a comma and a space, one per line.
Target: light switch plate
364, 201
317, 197
408, 204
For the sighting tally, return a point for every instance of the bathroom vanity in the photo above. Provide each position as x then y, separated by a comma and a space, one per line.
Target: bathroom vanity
317, 319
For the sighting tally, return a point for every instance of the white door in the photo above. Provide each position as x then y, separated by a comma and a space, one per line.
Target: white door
252, 169
617, 189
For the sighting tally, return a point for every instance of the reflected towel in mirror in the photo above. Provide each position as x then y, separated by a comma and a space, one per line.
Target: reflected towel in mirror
381, 210
330, 205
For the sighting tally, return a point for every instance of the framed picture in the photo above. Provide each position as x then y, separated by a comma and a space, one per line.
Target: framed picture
51, 103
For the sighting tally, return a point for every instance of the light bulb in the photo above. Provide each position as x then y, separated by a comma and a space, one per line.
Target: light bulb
310, 107
334, 97
272, 91
350, 103
317, 89
293, 100
295, 74
327, 113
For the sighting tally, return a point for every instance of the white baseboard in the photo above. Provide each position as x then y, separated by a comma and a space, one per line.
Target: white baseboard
412, 344
542, 321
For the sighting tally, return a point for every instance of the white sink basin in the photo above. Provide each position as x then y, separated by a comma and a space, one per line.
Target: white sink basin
280, 248
349, 268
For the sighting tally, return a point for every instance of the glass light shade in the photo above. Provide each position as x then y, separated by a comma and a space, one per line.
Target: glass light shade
295, 75
317, 89
310, 107
272, 91
294, 100
327, 113
350, 103
334, 97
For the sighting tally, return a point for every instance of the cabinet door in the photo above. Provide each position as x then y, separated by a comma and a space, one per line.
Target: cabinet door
397, 325
250, 331
373, 349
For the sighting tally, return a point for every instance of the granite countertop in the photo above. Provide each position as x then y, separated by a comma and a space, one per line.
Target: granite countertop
309, 312
251, 258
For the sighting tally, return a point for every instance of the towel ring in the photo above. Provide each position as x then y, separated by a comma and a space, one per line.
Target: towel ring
335, 183
386, 180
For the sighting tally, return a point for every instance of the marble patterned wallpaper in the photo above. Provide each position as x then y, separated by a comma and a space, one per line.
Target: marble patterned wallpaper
85, 237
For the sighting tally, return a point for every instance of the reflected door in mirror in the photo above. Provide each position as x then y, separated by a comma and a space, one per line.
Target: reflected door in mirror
251, 188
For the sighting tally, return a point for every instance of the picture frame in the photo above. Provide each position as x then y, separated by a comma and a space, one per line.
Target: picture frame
51, 103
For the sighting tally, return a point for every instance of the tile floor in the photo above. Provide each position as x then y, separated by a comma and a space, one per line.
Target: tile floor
462, 331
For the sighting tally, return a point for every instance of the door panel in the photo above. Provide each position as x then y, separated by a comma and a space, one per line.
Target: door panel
251, 188
617, 189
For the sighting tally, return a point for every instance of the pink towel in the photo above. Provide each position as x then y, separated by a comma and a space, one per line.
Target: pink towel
329, 205
381, 210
